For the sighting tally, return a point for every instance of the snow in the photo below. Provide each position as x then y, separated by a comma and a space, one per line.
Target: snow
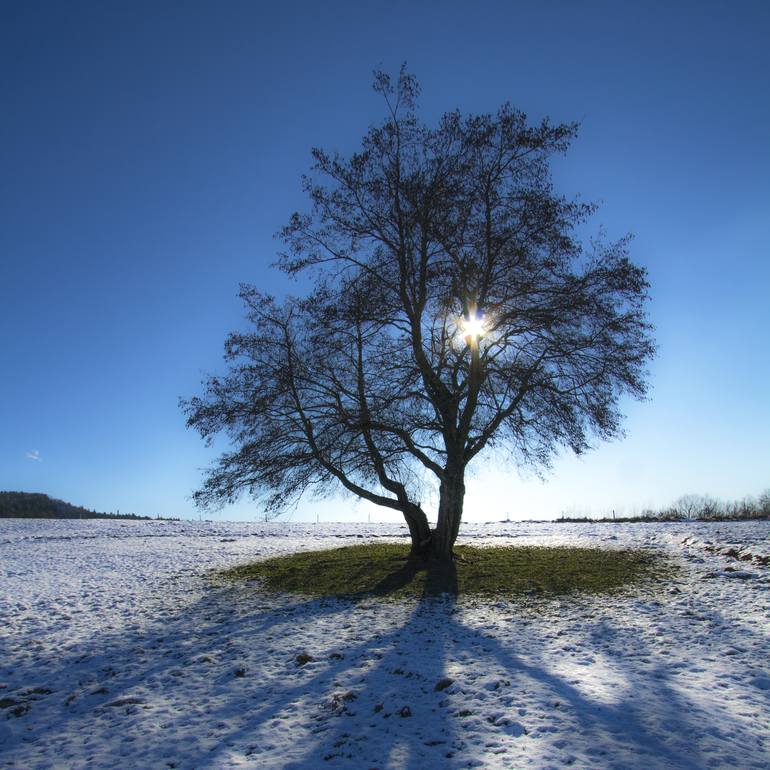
117, 650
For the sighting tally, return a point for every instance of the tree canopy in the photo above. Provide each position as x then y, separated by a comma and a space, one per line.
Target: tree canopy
455, 308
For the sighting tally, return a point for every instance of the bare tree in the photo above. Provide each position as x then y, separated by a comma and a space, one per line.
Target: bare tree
688, 506
763, 504
455, 309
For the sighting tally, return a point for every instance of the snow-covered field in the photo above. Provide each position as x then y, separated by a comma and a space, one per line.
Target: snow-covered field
117, 652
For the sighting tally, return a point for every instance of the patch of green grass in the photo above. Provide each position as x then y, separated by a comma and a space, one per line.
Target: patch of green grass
383, 569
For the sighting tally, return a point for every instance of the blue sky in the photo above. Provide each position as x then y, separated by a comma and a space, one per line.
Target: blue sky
148, 152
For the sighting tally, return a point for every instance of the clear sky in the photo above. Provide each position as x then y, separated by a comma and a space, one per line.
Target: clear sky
149, 151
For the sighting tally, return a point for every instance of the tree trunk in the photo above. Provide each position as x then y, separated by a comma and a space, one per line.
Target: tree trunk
450, 512
419, 530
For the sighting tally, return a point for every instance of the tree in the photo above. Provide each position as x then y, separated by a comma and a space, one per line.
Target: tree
689, 506
763, 507
454, 310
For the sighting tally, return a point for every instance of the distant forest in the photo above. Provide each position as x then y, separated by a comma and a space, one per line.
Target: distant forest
32, 505
695, 508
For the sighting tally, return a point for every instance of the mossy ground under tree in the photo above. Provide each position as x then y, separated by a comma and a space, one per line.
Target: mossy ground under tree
383, 569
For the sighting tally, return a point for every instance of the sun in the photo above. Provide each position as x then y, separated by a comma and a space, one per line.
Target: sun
472, 328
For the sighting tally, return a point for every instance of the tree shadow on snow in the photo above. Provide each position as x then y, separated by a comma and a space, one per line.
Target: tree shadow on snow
239, 678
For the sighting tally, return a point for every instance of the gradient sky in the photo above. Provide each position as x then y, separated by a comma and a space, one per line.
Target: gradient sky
149, 151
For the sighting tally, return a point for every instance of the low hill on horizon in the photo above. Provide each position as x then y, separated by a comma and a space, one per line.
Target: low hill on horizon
35, 505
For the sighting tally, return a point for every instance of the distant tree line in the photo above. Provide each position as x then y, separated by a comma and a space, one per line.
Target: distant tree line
34, 505
696, 507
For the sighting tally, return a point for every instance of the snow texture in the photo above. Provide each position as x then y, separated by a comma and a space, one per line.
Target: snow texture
118, 651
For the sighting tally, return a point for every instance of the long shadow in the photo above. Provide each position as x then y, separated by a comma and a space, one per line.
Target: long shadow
408, 721
647, 723
219, 682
